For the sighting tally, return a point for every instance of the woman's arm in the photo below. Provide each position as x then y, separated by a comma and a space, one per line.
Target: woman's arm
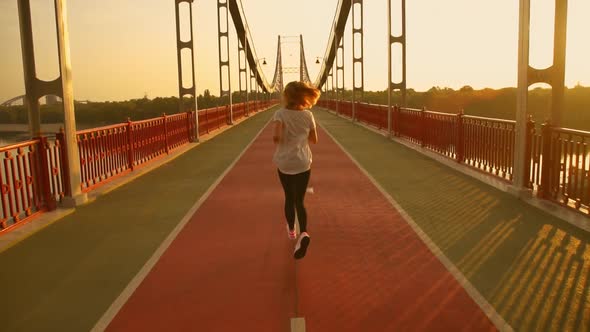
313, 133
277, 135
313, 136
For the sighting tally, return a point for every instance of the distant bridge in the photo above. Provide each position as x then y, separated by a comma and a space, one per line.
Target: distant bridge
13, 101
49, 100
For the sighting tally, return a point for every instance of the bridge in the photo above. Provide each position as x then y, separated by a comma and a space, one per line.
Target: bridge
420, 220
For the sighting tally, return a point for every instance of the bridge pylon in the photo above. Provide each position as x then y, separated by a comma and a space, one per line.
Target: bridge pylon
527, 75
62, 87
186, 45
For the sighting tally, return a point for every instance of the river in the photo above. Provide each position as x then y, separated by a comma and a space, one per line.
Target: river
14, 133
11, 137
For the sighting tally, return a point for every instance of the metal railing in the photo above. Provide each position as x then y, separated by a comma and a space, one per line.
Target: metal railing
487, 144
31, 179
565, 173
34, 174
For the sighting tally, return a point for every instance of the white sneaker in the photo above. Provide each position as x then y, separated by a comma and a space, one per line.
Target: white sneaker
301, 246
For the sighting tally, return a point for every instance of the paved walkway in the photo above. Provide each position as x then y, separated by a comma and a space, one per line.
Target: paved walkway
532, 268
231, 267
66, 276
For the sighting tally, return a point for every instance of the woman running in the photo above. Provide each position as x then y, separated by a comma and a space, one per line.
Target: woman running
294, 129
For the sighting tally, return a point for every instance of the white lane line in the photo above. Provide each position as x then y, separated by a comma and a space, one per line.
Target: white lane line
112, 311
298, 324
487, 308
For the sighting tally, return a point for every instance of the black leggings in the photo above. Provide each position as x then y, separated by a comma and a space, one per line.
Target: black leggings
295, 186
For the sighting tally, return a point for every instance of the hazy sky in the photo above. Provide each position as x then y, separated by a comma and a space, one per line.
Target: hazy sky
122, 49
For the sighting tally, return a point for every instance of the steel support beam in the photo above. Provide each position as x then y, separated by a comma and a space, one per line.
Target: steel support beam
527, 75
338, 27
277, 82
243, 68
303, 72
391, 40
339, 61
62, 87
357, 54
188, 45
224, 63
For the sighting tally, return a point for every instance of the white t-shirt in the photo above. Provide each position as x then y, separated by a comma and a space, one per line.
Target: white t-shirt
293, 155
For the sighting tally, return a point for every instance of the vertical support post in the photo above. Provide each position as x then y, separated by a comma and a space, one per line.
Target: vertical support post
131, 150
389, 64
396, 123
339, 69
530, 132
330, 85
246, 74
223, 38
257, 87
45, 174
522, 95
335, 76
554, 75
559, 47
30, 72
65, 65
65, 172
401, 39
357, 57
334, 93
546, 169
460, 145
166, 145
189, 45
243, 68
423, 127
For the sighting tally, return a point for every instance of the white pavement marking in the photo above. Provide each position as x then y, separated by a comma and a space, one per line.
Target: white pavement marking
112, 311
485, 306
298, 324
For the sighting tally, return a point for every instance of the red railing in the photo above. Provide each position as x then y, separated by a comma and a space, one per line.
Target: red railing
441, 134
408, 124
565, 173
105, 153
372, 114
108, 152
488, 145
34, 174
213, 118
31, 180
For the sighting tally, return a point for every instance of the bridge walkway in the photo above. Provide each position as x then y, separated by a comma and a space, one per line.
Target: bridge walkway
422, 248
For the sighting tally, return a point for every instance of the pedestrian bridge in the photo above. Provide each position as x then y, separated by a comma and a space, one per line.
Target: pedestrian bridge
419, 220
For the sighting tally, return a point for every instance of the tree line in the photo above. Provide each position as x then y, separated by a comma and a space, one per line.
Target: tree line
111, 112
492, 103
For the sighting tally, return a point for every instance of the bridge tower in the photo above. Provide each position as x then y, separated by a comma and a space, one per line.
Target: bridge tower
527, 75
391, 40
223, 47
186, 45
62, 87
358, 51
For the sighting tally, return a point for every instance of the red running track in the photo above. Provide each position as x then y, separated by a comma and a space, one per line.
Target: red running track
231, 267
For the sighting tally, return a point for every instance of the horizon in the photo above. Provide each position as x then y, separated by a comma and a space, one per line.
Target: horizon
105, 45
